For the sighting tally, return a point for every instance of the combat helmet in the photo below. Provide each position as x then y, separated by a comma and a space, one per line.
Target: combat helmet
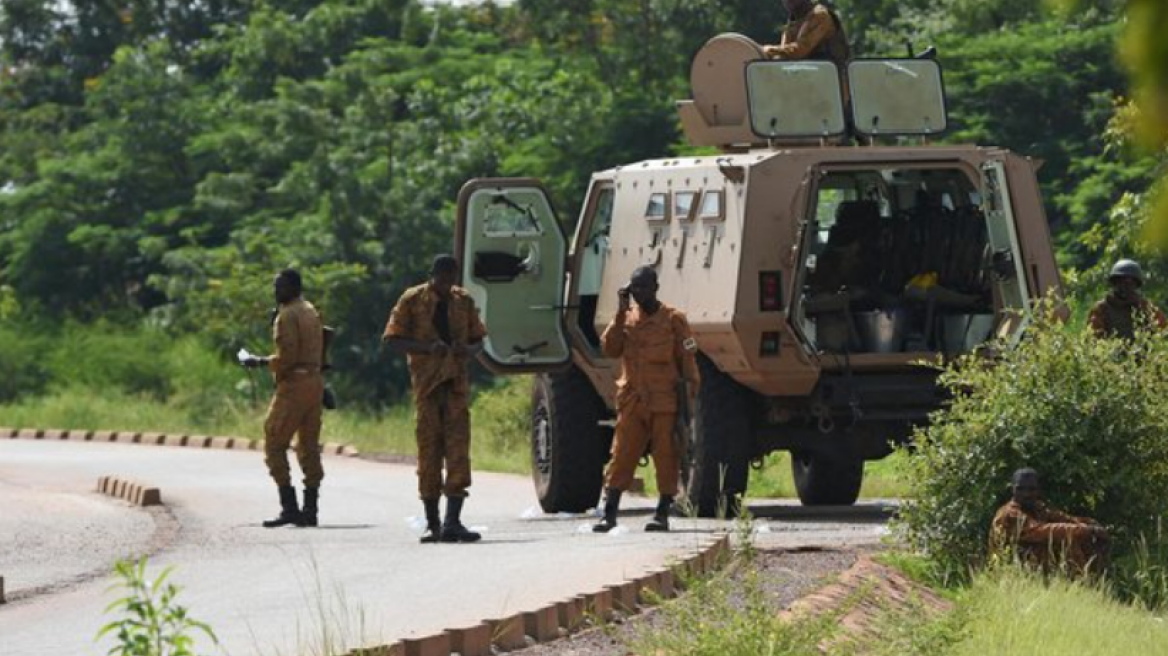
1127, 269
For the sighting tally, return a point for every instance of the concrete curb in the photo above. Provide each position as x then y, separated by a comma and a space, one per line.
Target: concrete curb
161, 439
562, 618
136, 493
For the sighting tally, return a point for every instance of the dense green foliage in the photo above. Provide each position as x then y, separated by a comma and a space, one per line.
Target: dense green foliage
160, 160
1090, 415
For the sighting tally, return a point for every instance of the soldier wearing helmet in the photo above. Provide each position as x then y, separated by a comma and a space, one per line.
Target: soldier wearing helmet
1125, 308
656, 351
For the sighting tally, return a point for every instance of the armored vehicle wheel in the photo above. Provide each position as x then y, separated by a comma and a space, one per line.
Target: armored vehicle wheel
825, 481
568, 447
718, 454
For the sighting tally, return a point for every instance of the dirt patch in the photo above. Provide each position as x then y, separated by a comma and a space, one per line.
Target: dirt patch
784, 575
863, 597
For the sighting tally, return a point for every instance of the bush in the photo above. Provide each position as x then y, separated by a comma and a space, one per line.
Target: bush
1090, 415
22, 361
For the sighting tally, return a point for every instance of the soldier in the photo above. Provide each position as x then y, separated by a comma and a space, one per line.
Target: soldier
1043, 536
813, 31
437, 325
657, 352
297, 403
1120, 313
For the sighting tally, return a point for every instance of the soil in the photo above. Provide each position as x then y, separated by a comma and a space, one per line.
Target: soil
785, 576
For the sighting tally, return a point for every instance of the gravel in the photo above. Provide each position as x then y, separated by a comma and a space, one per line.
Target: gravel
784, 576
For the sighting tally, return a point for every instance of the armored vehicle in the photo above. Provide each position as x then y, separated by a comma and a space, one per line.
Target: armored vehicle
823, 251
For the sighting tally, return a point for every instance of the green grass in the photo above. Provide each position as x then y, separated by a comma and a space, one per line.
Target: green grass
1014, 612
499, 438
774, 480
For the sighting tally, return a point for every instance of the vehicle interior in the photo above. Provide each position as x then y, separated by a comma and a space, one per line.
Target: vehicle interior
895, 263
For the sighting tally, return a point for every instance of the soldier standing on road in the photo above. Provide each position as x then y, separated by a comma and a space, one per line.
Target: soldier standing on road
657, 352
437, 325
813, 31
297, 403
1045, 537
1122, 311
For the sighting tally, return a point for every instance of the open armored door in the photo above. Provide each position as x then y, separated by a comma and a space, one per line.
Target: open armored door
513, 254
1004, 256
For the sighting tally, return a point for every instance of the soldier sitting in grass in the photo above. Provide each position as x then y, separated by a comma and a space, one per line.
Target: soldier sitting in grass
1045, 537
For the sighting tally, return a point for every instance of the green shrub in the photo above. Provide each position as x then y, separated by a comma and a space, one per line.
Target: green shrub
22, 361
153, 624
99, 357
1090, 415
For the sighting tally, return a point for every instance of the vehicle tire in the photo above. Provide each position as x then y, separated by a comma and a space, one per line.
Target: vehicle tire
823, 481
717, 460
568, 446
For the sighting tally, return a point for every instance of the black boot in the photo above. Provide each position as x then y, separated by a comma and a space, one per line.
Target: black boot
308, 512
289, 511
612, 498
433, 522
660, 521
452, 528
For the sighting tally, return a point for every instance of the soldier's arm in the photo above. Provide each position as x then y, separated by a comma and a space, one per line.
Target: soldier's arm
685, 350
287, 337
612, 342
1096, 322
817, 28
476, 332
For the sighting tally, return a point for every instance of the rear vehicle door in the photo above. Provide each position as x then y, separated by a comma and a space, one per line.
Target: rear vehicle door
514, 254
1005, 257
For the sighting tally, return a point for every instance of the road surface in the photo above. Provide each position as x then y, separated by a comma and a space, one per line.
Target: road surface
362, 578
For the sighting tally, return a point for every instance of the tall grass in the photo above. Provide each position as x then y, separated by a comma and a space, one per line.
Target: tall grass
1013, 611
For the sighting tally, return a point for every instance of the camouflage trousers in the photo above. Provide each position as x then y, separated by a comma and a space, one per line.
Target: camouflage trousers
295, 410
637, 429
443, 435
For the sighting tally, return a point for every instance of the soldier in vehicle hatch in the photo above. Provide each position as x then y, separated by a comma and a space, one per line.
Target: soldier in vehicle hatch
437, 325
1125, 307
1042, 536
657, 352
298, 402
813, 31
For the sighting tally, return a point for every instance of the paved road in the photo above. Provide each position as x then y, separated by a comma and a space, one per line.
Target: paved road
362, 575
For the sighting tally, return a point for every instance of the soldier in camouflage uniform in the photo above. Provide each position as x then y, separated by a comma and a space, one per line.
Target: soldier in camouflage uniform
657, 352
814, 31
298, 401
437, 325
1045, 537
1121, 312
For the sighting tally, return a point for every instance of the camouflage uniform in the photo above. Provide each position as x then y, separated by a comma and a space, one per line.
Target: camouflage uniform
1047, 538
1113, 317
656, 352
296, 405
441, 386
818, 35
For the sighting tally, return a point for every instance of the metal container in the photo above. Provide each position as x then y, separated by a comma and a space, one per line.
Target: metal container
960, 333
883, 331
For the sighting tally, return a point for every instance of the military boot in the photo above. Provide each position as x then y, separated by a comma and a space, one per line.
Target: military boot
289, 511
612, 498
433, 522
308, 512
660, 521
452, 528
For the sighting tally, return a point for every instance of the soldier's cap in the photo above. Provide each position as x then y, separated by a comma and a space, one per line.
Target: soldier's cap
645, 275
292, 276
1023, 474
444, 263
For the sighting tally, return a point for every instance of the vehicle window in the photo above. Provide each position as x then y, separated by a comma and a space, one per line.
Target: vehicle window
508, 218
712, 206
684, 205
658, 204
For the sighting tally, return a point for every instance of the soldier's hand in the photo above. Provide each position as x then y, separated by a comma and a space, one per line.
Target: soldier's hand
770, 51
